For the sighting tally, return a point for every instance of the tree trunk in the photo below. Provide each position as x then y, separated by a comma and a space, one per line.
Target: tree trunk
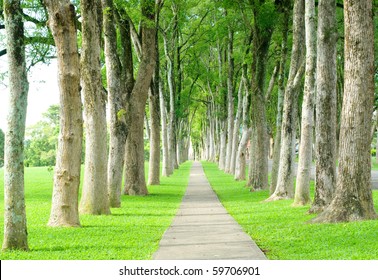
230, 100
235, 136
135, 183
15, 230
258, 165
117, 102
64, 210
302, 190
166, 170
154, 163
285, 182
281, 93
94, 199
223, 145
353, 196
325, 127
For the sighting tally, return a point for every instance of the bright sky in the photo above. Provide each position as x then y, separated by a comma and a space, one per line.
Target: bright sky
43, 92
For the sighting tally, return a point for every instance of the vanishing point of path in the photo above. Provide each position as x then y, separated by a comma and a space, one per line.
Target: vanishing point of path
202, 228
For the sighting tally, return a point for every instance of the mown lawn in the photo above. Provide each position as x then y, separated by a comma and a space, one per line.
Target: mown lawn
131, 232
282, 231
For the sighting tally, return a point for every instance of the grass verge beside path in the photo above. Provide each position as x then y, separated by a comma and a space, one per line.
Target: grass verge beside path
281, 230
131, 232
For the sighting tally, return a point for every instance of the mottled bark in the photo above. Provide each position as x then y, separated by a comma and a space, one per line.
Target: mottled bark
94, 198
302, 190
64, 210
325, 127
15, 229
135, 183
166, 171
230, 99
285, 182
353, 196
281, 93
258, 165
223, 144
154, 162
235, 134
116, 103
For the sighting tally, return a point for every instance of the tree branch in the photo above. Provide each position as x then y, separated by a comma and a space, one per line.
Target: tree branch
3, 52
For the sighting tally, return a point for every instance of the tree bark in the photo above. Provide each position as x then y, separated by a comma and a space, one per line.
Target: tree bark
117, 102
94, 199
353, 196
15, 229
135, 183
302, 190
64, 210
281, 93
166, 171
230, 99
325, 127
154, 162
285, 182
235, 134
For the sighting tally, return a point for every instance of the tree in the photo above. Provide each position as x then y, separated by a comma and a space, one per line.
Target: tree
94, 199
302, 190
285, 183
135, 182
62, 23
353, 195
2, 140
263, 26
325, 126
15, 229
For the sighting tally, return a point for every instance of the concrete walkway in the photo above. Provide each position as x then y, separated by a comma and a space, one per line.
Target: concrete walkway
202, 228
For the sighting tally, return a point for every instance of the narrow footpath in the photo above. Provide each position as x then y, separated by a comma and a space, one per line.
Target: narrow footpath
202, 228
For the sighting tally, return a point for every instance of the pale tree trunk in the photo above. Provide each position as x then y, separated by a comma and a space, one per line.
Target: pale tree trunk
353, 195
223, 144
302, 190
285, 182
135, 183
325, 127
235, 136
117, 102
241, 162
154, 162
281, 93
15, 229
94, 199
64, 210
230, 99
166, 171
258, 165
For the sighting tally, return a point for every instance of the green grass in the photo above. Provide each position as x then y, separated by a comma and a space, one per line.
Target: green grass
281, 230
131, 232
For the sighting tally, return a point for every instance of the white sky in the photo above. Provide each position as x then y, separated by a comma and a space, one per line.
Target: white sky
43, 92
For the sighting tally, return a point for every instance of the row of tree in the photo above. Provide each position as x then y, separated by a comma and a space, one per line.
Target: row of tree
202, 77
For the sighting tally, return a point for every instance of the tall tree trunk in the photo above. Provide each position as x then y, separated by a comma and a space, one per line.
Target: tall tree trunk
235, 136
258, 165
15, 230
285, 182
166, 170
281, 93
94, 199
302, 190
353, 196
117, 102
230, 99
325, 127
223, 144
64, 210
135, 183
154, 163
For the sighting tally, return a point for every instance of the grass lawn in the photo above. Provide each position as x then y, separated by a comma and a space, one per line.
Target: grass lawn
281, 230
131, 232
